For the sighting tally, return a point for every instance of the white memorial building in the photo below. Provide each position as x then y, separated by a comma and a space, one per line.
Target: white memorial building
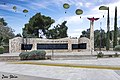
19, 44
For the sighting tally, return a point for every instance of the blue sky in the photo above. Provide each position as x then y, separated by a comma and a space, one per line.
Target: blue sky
54, 9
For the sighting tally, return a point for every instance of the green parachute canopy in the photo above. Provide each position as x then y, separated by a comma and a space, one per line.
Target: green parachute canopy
79, 11
66, 5
103, 8
14, 8
25, 11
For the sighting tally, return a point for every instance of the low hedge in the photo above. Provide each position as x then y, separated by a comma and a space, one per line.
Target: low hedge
1, 49
23, 55
33, 55
117, 48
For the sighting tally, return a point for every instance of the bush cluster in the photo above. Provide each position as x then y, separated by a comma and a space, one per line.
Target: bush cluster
100, 55
116, 55
1, 49
33, 55
117, 48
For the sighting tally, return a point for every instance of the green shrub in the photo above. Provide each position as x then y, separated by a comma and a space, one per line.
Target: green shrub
38, 54
24, 55
33, 55
116, 55
100, 55
6, 48
1, 49
117, 48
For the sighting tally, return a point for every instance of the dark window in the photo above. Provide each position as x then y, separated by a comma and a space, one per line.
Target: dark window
74, 46
82, 46
52, 46
26, 46
79, 46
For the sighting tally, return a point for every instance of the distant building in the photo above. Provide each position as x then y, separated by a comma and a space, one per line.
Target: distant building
19, 44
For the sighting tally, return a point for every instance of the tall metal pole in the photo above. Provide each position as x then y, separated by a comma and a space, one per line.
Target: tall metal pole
100, 35
108, 32
52, 50
108, 26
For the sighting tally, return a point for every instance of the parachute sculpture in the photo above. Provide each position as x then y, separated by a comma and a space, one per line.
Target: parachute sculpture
66, 6
79, 12
14, 8
25, 11
103, 8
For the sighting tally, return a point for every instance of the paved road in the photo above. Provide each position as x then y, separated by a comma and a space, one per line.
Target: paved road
11, 76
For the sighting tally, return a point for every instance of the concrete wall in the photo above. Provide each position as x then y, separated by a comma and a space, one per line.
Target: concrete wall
15, 43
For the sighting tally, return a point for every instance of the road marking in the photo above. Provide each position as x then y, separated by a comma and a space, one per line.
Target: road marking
69, 65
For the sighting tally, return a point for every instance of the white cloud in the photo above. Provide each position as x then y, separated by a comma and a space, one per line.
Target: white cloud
71, 20
6, 7
88, 4
76, 32
10, 8
79, 4
73, 23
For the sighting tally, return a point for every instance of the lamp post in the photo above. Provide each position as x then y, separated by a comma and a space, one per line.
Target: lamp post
100, 36
52, 47
108, 26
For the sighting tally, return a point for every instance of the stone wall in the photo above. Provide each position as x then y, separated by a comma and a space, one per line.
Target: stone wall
15, 43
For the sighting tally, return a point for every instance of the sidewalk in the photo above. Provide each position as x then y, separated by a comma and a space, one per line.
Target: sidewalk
66, 73
10, 76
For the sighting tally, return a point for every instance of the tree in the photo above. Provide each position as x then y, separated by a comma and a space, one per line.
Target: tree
86, 33
100, 38
18, 35
6, 33
98, 35
36, 23
111, 35
63, 30
59, 31
115, 29
2, 22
